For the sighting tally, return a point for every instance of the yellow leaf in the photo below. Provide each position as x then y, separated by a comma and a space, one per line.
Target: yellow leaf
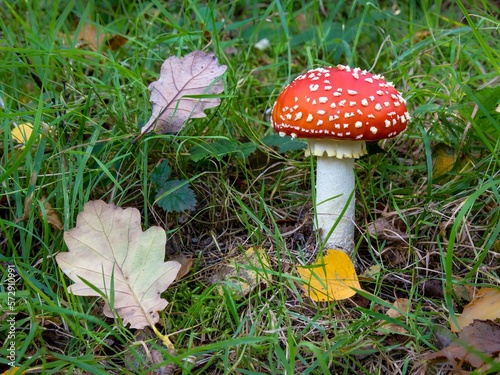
22, 132
444, 158
485, 305
331, 278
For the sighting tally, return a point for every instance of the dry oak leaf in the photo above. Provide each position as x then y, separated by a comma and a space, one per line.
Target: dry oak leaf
108, 242
176, 94
482, 336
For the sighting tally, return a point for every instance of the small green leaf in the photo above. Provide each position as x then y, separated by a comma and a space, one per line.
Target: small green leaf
160, 174
176, 196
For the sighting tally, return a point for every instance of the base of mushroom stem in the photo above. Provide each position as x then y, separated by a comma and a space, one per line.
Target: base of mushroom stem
331, 245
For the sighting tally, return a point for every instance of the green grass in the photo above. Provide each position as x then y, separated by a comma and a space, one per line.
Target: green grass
90, 105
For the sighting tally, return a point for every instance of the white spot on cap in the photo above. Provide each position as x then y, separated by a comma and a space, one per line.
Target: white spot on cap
337, 93
282, 134
387, 123
293, 135
298, 116
352, 92
374, 130
333, 105
369, 80
320, 122
313, 87
364, 102
378, 107
309, 118
321, 112
358, 124
352, 104
359, 112
342, 103
380, 92
347, 114
387, 104
323, 99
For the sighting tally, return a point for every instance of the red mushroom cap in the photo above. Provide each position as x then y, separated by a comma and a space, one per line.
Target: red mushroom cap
340, 103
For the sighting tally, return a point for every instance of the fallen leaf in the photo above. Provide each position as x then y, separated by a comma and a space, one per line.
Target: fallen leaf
384, 230
481, 336
52, 216
444, 158
332, 277
176, 94
93, 39
22, 132
401, 306
372, 273
108, 242
89, 37
186, 264
463, 290
115, 42
243, 274
485, 305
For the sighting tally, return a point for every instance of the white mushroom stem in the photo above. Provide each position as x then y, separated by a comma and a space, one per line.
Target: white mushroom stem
335, 198
334, 187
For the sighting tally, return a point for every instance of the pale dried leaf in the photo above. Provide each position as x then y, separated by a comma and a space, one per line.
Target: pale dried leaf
108, 240
175, 96
485, 305
244, 272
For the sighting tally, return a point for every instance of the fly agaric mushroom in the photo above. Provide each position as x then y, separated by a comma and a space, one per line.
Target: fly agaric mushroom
338, 109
